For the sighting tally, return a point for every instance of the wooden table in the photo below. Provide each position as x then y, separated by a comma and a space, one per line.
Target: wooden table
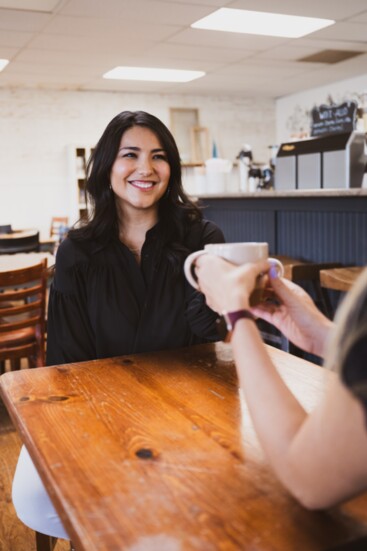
340, 279
144, 453
16, 234
23, 260
19, 241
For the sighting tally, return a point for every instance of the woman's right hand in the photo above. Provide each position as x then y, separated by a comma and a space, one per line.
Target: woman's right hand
296, 316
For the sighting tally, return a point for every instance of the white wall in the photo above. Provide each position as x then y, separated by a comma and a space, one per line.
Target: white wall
293, 112
38, 126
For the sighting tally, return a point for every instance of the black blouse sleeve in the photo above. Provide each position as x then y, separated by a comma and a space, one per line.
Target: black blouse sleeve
201, 319
70, 336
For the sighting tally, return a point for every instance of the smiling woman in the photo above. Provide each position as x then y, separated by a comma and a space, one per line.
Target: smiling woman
119, 286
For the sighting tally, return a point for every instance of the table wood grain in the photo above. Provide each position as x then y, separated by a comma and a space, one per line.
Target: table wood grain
156, 452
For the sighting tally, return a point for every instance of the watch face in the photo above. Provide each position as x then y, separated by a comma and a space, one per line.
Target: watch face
221, 327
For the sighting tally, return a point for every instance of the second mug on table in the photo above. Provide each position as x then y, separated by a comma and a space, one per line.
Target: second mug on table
237, 253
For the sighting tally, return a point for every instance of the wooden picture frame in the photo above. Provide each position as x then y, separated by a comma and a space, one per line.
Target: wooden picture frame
182, 120
200, 146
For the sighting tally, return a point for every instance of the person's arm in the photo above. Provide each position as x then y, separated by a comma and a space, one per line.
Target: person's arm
321, 458
293, 313
70, 337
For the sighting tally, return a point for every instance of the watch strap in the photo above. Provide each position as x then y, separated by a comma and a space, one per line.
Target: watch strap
232, 318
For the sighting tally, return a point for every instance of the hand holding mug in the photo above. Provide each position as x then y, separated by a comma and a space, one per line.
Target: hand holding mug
238, 254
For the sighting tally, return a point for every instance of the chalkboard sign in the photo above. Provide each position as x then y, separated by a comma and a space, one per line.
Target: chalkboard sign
333, 119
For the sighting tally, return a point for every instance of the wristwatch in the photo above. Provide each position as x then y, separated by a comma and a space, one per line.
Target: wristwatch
231, 318
228, 320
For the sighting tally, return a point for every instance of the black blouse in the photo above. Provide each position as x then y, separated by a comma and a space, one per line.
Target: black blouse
103, 304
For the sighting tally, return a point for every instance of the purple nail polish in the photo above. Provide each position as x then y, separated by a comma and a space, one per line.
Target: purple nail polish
273, 272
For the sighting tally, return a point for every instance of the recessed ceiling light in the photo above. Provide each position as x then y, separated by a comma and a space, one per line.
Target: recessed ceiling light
3, 63
256, 22
148, 73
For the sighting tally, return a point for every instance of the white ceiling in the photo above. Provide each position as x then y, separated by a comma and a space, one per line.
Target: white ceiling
70, 46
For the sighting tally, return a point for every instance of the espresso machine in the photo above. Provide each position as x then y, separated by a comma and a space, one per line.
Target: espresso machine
335, 161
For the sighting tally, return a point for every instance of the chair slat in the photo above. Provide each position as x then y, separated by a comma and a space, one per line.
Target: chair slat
12, 311
22, 306
15, 326
20, 293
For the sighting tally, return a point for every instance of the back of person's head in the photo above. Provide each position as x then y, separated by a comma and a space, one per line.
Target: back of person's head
348, 343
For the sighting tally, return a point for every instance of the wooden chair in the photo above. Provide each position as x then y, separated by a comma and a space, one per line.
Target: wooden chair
22, 316
56, 223
340, 279
337, 281
44, 542
47, 543
5, 228
298, 270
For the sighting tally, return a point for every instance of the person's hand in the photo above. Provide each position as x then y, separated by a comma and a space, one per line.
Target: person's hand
295, 315
227, 287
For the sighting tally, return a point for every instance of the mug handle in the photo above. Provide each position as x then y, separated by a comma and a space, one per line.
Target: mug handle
279, 266
189, 266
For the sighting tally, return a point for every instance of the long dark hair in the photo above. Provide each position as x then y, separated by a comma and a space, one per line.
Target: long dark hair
175, 210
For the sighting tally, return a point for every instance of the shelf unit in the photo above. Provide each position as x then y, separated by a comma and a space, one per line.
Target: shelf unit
78, 159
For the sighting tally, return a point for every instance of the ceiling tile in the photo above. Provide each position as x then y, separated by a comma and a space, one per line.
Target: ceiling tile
328, 9
343, 31
15, 39
217, 39
188, 52
36, 5
13, 20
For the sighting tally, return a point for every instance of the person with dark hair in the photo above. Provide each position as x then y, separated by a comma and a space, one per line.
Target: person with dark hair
320, 457
119, 286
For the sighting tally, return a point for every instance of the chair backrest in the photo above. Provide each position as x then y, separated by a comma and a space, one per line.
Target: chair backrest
22, 306
6, 228
56, 223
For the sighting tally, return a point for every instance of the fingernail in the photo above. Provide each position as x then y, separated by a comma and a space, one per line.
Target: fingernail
273, 272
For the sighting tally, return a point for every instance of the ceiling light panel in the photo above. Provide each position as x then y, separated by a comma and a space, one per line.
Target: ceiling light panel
150, 74
3, 63
261, 23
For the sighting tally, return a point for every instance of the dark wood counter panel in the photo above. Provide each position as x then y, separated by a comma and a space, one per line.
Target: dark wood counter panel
319, 226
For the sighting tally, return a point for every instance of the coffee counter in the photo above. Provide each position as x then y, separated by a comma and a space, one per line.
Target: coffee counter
315, 225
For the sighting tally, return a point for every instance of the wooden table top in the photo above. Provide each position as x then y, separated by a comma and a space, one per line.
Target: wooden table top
145, 453
340, 279
16, 234
18, 261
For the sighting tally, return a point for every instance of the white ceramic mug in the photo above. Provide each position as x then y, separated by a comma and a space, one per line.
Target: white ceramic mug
237, 253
